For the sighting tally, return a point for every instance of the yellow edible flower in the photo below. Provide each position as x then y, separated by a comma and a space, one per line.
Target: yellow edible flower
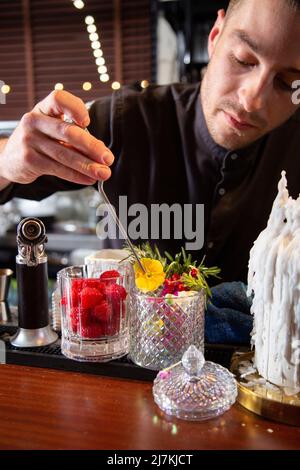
154, 276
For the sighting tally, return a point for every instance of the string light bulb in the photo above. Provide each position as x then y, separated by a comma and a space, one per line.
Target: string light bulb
104, 77
95, 45
86, 86
144, 83
5, 89
78, 4
102, 69
89, 20
116, 85
98, 53
94, 37
58, 86
91, 28
100, 61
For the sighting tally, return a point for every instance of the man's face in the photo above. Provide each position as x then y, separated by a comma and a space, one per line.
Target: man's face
254, 59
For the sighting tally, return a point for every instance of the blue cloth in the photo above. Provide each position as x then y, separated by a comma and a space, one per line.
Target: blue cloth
227, 316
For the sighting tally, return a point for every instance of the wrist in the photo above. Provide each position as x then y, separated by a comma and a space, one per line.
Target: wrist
3, 181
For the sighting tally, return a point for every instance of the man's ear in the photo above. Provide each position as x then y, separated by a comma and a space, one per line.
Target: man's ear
216, 32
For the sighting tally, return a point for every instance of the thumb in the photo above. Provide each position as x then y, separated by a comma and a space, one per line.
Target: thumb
60, 103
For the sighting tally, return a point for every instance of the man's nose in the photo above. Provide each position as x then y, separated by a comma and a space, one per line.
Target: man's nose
253, 94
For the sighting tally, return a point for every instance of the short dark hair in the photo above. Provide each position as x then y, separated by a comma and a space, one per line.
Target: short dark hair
234, 3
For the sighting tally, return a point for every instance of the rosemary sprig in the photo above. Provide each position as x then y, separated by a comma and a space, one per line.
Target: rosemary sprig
181, 264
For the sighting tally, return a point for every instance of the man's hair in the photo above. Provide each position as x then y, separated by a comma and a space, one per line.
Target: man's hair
234, 3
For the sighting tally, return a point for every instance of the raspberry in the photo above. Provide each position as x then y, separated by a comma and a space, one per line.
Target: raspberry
77, 284
101, 286
175, 277
90, 297
94, 330
74, 298
115, 292
110, 276
96, 283
102, 312
78, 316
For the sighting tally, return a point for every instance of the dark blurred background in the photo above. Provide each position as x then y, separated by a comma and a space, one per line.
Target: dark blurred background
45, 43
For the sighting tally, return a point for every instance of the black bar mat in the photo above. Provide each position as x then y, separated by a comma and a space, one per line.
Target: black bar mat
51, 357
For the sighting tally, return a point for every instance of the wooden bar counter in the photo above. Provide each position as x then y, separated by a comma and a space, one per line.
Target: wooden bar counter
48, 409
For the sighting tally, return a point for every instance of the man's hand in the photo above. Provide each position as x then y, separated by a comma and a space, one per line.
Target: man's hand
43, 144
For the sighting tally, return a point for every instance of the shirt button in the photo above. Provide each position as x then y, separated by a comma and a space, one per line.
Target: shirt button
234, 156
222, 191
210, 245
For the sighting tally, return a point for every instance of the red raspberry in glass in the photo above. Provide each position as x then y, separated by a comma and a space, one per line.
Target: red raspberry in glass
79, 317
96, 283
89, 297
110, 276
115, 292
102, 312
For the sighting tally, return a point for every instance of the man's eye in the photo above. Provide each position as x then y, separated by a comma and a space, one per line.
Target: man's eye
283, 85
242, 62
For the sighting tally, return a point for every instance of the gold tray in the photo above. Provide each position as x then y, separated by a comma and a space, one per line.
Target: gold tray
264, 399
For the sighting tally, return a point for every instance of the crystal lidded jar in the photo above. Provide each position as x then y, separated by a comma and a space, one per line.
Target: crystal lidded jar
162, 328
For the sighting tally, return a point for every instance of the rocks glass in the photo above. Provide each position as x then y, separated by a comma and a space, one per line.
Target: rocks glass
94, 315
162, 328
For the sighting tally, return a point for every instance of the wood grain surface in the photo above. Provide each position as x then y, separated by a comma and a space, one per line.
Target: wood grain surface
47, 409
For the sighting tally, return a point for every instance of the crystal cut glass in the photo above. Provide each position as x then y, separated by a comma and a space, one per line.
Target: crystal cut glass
162, 328
94, 314
194, 389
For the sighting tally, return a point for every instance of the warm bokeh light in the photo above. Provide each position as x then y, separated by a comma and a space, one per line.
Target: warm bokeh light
87, 86
89, 20
102, 69
98, 53
58, 86
100, 61
104, 77
93, 37
116, 85
78, 4
96, 45
5, 89
91, 28
144, 83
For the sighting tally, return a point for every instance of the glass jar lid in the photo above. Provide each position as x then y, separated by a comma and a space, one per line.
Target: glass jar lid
194, 389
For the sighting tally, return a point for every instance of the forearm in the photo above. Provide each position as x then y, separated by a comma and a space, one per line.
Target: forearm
3, 182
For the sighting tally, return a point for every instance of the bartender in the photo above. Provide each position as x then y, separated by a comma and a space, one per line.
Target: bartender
222, 143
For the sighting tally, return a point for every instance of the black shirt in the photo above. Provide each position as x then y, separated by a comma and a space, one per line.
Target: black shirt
165, 154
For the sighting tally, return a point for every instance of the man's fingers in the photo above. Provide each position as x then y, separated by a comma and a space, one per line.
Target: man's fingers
70, 158
73, 135
54, 168
63, 172
60, 102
